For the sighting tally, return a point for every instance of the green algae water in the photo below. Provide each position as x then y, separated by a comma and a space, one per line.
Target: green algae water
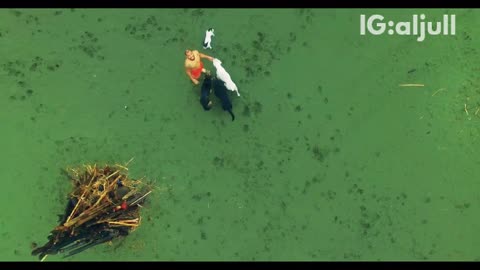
329, 157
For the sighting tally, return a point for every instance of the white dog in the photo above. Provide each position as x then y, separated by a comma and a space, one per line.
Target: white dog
223, 75
208, 38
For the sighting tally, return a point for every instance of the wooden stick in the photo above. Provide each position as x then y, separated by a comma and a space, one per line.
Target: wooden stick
123, 167
122, 224
141, 197
477, 111
115, 172
441, 89
411, 85
129, 220
466, 108
126, 164
75, 208
44, 257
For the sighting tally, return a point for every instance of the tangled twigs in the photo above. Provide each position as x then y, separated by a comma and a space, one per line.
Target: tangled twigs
104, 205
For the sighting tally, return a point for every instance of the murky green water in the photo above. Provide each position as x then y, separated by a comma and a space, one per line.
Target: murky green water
328, 158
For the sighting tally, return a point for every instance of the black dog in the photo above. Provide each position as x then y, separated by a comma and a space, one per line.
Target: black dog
205, 93
221, 92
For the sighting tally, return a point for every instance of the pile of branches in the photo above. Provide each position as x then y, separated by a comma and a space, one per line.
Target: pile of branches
104, 205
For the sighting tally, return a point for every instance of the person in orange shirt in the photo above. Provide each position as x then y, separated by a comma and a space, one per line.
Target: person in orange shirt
193, 64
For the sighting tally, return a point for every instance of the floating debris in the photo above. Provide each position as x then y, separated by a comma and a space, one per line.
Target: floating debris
104, 205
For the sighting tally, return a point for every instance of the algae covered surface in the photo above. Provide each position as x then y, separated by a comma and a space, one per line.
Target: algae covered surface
329, 158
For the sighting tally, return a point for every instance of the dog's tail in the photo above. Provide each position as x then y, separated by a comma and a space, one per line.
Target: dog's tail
231, 113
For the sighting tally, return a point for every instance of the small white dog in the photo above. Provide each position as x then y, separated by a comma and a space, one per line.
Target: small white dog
223, 75
208, 38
